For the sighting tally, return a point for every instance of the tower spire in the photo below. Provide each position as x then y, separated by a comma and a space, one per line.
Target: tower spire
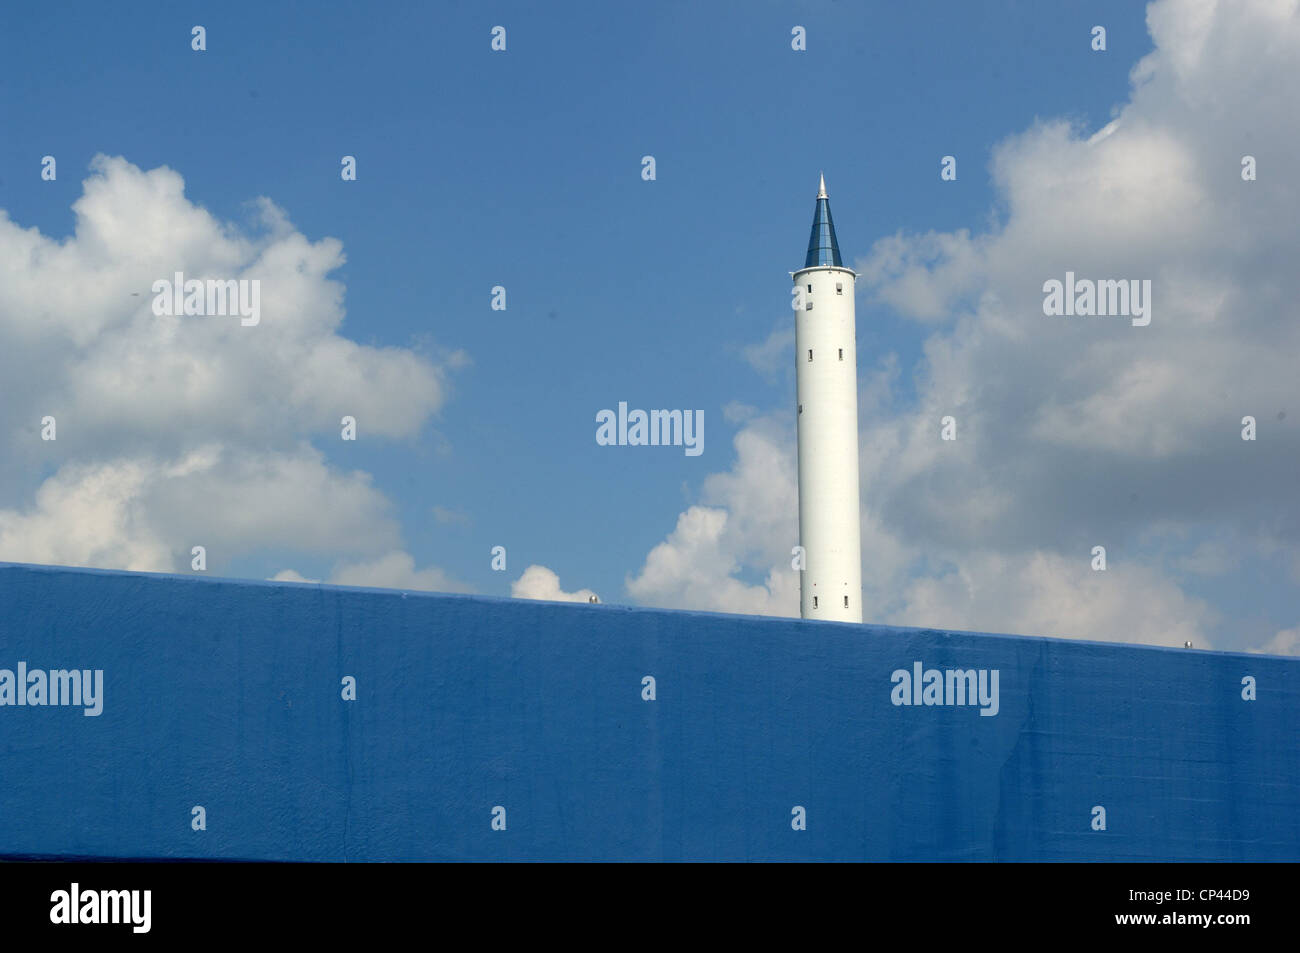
823, 249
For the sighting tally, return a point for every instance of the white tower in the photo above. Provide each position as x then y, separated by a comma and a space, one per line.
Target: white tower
826, 372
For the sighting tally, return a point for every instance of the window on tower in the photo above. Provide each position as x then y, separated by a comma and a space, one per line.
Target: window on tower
814, 602
810, 289
841, 354
839, 287
846, 602
810, 354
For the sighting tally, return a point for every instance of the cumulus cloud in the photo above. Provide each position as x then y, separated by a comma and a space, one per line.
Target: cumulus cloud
392, 570
146, 513
396, 570
1286, 642
290, 575
88, 516
1049, 594
79, 339
1097, 424
450, 515
174, 431
746, 523
924, 277
771, 357
538, 582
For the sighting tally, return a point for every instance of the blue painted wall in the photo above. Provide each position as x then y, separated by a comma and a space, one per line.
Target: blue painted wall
228, 695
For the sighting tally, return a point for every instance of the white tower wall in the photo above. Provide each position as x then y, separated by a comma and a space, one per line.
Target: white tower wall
827, 384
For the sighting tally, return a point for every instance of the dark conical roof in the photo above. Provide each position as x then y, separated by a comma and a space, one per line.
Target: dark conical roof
823, 249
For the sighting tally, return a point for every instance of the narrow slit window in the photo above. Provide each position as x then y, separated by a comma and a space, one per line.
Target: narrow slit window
810, 354
810, 289
846, 602
801, 408
839, 287
841, 354
814, 602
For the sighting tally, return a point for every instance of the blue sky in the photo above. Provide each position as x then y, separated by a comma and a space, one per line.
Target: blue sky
478, 168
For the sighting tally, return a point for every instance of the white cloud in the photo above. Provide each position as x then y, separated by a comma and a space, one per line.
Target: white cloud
1051, 595
1079, 431
1286, 642
772, 356
89, 516
396, 570
1210, 558
146, 513
79, 340
926, 276
538, 582
289, 575
183, 431
451, 515
747, 523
